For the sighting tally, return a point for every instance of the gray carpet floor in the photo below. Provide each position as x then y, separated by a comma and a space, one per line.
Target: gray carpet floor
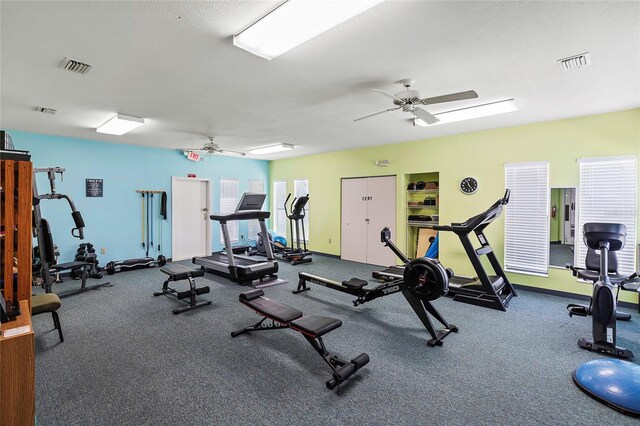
127, 360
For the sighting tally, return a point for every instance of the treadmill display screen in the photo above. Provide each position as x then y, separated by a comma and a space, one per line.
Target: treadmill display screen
251, 201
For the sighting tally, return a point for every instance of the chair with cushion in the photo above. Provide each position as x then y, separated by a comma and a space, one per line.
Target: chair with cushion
47, 302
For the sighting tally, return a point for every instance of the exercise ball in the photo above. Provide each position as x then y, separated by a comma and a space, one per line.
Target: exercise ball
614, 382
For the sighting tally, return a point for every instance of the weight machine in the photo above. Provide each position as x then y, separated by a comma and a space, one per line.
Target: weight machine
42, 231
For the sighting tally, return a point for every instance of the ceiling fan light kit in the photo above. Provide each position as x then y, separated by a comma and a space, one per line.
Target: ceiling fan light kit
271, 149
294, 22
469, 113
120, 124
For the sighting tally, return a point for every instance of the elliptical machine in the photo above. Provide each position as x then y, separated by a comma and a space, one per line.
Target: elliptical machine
606, 237
296, 254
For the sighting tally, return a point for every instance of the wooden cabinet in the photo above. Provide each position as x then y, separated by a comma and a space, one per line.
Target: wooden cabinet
17, 370
17, 341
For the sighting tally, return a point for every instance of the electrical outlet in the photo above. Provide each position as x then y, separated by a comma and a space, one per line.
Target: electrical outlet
103, 250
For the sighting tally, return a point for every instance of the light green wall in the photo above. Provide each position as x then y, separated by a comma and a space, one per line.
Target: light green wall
555, 222
479, 154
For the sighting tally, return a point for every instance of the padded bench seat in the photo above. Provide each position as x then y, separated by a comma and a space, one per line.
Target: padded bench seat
176, 273
312, 327
315, 325
180, 272
270, 308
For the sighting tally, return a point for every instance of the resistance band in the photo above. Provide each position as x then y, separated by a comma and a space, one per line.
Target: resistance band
147, 224
151, 222
142, 220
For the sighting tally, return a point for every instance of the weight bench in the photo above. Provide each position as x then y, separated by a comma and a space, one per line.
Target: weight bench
312, 327
178, 273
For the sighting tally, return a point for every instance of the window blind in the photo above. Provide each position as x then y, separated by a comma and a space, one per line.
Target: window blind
228, 203
607, 194
301, 189
254, 186
526, 239
279, 218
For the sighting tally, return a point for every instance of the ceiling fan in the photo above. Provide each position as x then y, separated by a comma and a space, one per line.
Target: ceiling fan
211, 148
410, 101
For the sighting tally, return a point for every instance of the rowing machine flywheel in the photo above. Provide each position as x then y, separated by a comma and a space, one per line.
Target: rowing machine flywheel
426, 278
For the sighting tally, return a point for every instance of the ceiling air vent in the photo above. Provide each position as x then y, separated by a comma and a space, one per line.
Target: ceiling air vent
75, 66
576, 61
47, 110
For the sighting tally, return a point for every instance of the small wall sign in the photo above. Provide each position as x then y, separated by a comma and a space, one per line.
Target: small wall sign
94, 187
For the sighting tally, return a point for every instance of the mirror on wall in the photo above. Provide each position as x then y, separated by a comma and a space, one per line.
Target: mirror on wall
562, 226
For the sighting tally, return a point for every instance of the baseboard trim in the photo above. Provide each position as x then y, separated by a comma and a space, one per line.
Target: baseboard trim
319, 253
520, 287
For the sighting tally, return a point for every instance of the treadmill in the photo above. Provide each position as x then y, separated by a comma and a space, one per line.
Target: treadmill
241, 269
488, 291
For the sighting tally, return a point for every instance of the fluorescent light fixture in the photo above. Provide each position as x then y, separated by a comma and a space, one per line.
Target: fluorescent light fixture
296, 21
271, 149
233, 153
476, 111
120, 124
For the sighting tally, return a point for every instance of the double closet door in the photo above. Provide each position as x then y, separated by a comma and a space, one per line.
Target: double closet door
368, 205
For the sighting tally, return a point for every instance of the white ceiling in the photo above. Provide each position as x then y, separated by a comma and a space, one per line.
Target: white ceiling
174, 64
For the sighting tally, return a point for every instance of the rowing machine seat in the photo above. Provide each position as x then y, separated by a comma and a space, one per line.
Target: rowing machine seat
354, 283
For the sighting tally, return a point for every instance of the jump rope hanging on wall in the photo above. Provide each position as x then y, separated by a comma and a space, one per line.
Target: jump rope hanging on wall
148, 216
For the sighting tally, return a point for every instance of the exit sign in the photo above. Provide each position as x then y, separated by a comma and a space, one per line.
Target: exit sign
193, 156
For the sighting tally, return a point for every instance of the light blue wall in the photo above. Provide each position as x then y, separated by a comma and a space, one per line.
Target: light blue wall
114, 221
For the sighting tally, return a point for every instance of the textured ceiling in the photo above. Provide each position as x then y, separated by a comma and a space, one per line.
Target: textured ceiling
174, 64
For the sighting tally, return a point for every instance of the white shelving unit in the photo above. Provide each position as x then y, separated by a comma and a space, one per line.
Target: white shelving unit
418, 195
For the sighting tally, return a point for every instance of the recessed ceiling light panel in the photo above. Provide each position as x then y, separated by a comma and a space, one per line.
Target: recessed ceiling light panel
296, 21
120, 124
271, 149
476, 111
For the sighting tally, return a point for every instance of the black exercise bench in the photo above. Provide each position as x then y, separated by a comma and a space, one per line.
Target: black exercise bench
178, 273
312, 327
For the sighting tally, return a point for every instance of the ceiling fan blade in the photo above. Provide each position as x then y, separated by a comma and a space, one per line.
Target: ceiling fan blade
425, 116
469, 94
371, 115
389, 95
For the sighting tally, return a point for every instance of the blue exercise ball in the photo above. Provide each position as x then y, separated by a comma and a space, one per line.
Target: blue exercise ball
280, 240
611, 381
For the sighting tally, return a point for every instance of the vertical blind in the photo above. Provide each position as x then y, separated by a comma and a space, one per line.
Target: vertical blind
279, 218
228, 203
301, 189
607, 194
254, 186
526, 239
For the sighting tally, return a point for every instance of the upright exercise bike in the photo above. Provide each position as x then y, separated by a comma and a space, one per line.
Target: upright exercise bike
296, 254
606, 237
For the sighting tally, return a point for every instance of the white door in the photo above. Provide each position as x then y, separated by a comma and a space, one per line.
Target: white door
353, 238
381, 212
190, 223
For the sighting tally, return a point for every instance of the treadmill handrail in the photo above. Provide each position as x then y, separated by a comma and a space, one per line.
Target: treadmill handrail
484, 218
241, 215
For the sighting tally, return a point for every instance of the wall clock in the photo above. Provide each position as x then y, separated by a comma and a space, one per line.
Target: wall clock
469, 185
